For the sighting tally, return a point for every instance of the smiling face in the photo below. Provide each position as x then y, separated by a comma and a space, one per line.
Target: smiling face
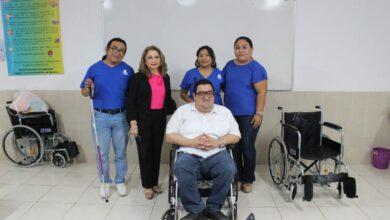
243, 51
115, 52
204, 59
204, 98
153, 61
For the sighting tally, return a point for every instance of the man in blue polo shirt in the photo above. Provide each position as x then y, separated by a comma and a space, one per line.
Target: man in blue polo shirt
109, 79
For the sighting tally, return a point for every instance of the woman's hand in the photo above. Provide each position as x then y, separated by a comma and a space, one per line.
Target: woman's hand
256, 120
134, 129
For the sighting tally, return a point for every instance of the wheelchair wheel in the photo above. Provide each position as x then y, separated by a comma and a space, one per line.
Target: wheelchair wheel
169, 215
23, 146
277, 160
292, 191
340, 189
232, 213
58, 160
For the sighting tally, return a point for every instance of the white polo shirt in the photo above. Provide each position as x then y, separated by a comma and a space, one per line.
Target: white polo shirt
190, 123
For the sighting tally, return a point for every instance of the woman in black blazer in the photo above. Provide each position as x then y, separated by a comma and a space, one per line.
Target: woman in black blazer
149, 102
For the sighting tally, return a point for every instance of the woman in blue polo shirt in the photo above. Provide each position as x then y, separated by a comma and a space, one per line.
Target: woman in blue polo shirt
245, 94
205, 68
108, 79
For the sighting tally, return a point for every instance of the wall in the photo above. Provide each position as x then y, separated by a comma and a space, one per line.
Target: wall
329, 70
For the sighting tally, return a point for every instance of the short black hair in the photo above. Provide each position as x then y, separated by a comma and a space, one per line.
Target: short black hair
211, 53
247, 39
202, 82
110, 42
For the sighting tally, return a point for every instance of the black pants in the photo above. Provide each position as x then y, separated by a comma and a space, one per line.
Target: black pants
149, 144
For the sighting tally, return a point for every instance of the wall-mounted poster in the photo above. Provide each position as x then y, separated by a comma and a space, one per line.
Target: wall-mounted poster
32, 33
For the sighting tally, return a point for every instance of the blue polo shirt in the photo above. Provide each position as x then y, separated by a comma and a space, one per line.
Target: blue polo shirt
193, 75
240, 93
110, 84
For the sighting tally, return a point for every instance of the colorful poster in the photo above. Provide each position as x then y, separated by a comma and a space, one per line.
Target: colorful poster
32, 34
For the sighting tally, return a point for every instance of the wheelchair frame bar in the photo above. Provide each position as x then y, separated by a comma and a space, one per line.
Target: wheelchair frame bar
34, 115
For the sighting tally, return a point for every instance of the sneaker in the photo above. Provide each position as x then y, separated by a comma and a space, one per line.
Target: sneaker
246, 187
121, 189
105, 188
194, 216
216, 215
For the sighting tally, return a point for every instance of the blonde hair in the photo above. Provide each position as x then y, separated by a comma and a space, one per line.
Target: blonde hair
143, 68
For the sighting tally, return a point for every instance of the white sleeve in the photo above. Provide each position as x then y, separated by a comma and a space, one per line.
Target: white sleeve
233, 126
175, 122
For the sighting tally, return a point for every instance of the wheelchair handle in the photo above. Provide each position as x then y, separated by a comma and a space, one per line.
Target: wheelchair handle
280, 108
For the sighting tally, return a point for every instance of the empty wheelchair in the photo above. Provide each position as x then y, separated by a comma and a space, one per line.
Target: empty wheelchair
34, 139
204, 187
304, 154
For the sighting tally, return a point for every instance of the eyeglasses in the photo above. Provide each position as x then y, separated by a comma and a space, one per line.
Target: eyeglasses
203, 94
115, 49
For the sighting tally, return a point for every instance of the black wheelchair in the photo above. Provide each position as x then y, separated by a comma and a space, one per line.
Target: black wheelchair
204, 187
34, 139
304, 154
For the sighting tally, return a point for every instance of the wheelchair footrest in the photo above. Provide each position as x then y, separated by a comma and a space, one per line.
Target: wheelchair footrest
349, 184
324, 179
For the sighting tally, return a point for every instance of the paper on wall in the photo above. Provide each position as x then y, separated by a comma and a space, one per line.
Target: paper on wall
2, 52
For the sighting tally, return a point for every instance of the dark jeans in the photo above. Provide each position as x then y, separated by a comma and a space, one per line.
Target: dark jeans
219, 168
149, 144
245, 150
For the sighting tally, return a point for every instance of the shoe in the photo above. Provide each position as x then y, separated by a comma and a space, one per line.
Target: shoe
148, 193
157, 189
216, 215
246, 187
194, 216
105, 188
121, 189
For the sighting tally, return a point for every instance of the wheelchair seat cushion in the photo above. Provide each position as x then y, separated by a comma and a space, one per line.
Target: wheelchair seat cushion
318, 153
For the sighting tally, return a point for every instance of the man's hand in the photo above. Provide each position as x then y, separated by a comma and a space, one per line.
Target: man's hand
210, 142
89, 83
256, 120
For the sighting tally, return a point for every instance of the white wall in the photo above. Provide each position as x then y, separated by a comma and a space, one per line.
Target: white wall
341, 45
82, 40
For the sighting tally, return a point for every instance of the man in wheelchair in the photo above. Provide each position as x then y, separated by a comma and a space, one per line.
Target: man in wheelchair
203, 129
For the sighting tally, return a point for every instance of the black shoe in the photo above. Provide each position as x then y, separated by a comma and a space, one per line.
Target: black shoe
194, 216
216, 215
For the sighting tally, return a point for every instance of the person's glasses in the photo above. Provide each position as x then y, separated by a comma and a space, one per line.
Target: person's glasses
203, 94
115, 49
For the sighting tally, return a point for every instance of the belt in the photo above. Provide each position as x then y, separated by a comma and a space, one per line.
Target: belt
111, 111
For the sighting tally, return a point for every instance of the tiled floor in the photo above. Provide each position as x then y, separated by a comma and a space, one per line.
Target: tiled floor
47, 192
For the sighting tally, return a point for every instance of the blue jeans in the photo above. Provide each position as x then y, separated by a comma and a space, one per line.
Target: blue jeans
189, 168
112, 128
245, 150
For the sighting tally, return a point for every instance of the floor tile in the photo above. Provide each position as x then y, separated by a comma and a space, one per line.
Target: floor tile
10, 210
90, 211
28, 193
64, 194
47, 211
343, 213
120, 212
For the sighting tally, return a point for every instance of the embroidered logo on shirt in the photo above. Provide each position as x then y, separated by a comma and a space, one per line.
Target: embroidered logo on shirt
219, 76
124, 72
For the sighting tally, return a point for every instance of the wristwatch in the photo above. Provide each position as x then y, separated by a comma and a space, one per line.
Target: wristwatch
259, 113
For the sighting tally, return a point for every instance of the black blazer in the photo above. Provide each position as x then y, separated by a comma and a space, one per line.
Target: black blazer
139, 98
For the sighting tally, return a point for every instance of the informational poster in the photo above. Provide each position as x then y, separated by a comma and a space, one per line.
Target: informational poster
32, 34
2, 52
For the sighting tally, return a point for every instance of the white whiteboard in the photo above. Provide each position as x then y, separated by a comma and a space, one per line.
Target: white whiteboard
180, 27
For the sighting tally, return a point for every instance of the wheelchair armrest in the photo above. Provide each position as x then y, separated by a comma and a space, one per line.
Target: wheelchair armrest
332, 126
291, 127
175, 146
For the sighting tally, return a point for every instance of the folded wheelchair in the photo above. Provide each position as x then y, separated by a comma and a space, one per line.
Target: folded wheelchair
304, 154
34, 139
204, 187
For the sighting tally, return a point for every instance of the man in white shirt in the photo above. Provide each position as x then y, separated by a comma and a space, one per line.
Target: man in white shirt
203, 129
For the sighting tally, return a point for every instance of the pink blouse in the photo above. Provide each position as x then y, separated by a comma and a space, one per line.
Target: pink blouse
156, 82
